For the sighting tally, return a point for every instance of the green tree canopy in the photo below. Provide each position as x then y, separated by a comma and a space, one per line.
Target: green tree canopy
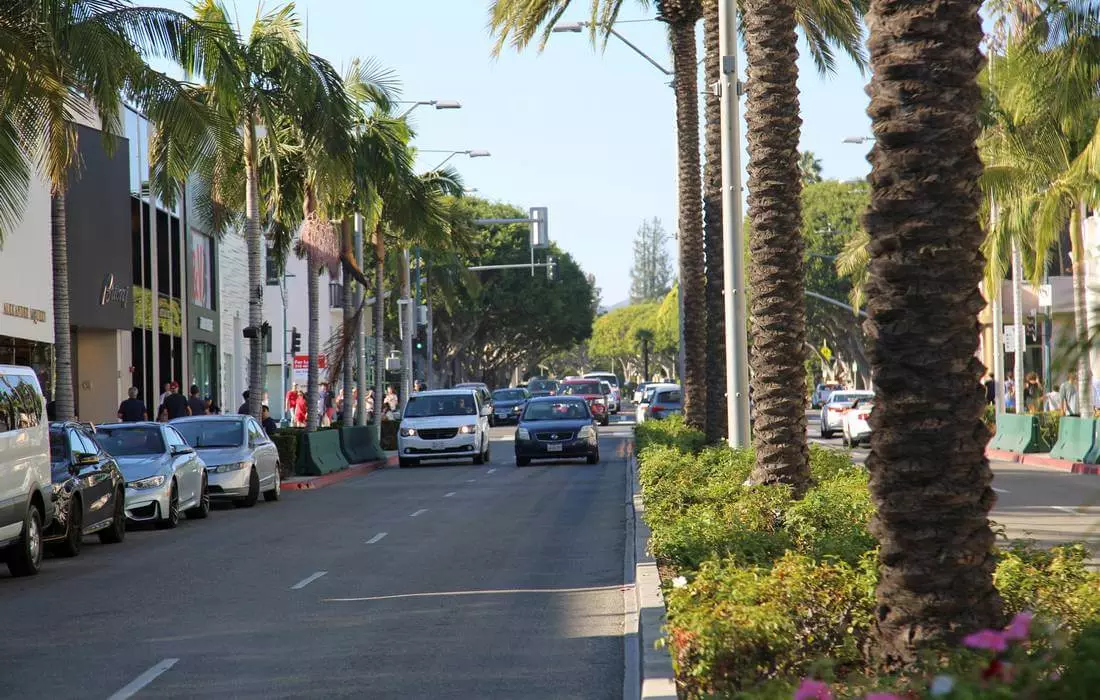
651, 274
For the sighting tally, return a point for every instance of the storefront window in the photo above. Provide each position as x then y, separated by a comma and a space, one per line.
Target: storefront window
204, 370
202, 278
27, 353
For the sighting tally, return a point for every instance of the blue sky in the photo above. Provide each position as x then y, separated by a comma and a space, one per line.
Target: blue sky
590, 135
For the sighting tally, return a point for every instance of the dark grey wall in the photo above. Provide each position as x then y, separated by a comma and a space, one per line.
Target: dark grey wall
98, 209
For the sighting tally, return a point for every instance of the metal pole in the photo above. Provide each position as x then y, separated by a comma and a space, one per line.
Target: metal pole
429, 348
360, 342
283, 369
737, 360
996, 298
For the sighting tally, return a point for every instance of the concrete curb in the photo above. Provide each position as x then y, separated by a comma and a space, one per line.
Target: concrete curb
648, 672
306, 483
1043, 460
1002, 456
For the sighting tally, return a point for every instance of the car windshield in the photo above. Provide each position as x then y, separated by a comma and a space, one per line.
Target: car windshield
611, 379
127, 442
670, 396
210, 433
555, 410
442, 405
581, 388
542, 385
843, 397
509, 395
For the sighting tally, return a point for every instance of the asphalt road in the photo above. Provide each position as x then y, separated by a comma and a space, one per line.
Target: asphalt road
1034, 503
437, 582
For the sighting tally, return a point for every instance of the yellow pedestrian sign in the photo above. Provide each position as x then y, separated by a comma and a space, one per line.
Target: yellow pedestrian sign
826, 353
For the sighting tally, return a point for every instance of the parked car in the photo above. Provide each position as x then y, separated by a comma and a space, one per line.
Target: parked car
164, 475
543, 387
832, 413
591, 391
821, 394
556, 427
89, 491
856, 427
241, 460
444, 424
25, 479
639, 392
616, 395
508, 405
661, 401
484, 396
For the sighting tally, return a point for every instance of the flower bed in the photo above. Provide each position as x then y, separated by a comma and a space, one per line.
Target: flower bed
762, 590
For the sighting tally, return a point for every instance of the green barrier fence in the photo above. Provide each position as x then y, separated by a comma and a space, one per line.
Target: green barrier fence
1017, 433
320, 453
359, 444
1076, 439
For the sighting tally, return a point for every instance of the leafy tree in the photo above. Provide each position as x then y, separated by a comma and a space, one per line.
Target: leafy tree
810, 166
651, 275
614, 334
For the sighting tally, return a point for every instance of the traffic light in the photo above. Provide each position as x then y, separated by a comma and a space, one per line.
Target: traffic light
551, 268
418, 341
295, 340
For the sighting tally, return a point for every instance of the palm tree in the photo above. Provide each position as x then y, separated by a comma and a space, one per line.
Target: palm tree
810, 167
254, 83
930, 481
645, 336
65, 60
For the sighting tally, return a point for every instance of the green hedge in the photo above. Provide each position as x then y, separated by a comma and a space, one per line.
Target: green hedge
286, 440
762, 589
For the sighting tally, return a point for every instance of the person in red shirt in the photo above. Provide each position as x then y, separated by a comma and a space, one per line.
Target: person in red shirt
300, 407
291, 401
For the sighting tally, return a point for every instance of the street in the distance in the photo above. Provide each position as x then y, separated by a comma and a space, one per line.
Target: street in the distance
450, 581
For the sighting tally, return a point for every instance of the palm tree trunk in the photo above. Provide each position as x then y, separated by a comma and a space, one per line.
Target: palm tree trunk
361, 400
408, 324
1080, 309
776, 272
1018, 334
347, 382
254, 239
712, 232
313, 393
379, 320
681, 32
64, 403
929, 478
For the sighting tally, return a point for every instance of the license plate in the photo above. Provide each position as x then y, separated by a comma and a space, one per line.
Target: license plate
554, 447
438, 445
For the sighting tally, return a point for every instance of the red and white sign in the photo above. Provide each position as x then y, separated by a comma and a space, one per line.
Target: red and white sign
301, 366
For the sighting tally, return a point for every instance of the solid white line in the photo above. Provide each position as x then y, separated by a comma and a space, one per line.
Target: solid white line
462, 594
1000, 490
470, 481
307, 580
491, 471
422, 511
144, 679
1066, 509
376, 538
449, 494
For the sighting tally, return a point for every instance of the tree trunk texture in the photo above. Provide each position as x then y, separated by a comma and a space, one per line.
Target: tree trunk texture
1018, 334
408, 323
63, 390
716, 426
379, 323
777, 269
348, 365
1080, 309
361, 292
254, 238
313, 389
681, 32
930, 480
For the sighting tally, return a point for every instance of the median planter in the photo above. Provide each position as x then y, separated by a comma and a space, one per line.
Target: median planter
286, 441
359, 444
319, 453
389, 434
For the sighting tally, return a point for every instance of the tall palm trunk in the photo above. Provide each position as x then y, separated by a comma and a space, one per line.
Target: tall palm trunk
682, 16
254, 239
408, 323
1080, 308
1019, 337
776, 274
64, 403
930, 480
712, 232
379, 319
361, 381
347, 382
313, 389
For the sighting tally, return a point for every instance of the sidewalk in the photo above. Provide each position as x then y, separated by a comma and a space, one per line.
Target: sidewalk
301, 483
1043, 459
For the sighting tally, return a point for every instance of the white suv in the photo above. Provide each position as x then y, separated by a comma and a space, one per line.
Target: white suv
444, 424
26, 503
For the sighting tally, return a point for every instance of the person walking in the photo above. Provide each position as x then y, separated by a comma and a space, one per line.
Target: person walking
243, 409
1033, 393
176, 404
132, 409
270, 426
391, 400
1068, 392
195, 402
291, 400
301, 410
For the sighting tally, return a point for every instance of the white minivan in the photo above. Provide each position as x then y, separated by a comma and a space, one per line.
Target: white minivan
26, 506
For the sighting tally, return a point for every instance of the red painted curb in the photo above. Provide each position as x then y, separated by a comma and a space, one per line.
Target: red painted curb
303, 483
1002, 455
1062, 465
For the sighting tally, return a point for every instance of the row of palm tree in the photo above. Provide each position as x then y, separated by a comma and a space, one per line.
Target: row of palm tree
273, 139
930, 480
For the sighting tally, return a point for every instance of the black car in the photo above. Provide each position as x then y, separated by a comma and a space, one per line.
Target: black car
89, 491
508, 405
557, 427
543, 387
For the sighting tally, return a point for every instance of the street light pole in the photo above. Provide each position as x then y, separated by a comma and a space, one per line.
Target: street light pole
733, 245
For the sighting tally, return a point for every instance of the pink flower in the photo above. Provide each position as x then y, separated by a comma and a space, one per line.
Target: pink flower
813, 690
882, 696
1020, 627
986, 639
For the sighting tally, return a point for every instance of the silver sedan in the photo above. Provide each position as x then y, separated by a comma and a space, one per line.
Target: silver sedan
164, 476
241, 460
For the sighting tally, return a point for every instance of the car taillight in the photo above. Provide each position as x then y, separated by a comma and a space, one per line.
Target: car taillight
863, 416
656, 409
837, 409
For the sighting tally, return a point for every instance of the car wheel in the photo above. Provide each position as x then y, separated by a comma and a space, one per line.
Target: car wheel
253, 491
25, 555
522, 461
74, 530
172, 518
593, 458
202, 510
404, 462
272, 495
479, 458
117, 532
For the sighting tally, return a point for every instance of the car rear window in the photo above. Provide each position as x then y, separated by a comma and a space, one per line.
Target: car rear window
592, 387
672, 396
127, 442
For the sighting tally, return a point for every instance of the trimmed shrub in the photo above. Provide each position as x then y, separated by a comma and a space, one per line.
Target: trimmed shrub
286, 441
671, 432
1055, 583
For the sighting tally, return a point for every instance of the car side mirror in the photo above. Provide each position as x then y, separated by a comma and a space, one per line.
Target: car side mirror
486, 410
181, 450
83, 460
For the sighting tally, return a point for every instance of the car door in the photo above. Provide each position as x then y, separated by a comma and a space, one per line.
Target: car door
96, 485
264, 454
185, 465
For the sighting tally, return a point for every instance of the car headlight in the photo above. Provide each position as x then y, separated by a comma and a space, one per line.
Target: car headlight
236, 466
586, 432
517, 409
408, 432
523, 434
468, 429
148, 483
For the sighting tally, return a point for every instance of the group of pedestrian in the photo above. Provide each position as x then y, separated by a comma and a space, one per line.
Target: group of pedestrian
172, 404
1064, 399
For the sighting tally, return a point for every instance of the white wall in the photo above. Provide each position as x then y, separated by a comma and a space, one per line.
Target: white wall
232, 291
297, 313
102, 386
26, 270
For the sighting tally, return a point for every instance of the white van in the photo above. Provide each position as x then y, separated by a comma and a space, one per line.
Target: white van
26, 508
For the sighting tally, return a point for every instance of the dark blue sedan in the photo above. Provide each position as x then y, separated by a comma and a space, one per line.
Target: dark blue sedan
557, 427
508, 405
